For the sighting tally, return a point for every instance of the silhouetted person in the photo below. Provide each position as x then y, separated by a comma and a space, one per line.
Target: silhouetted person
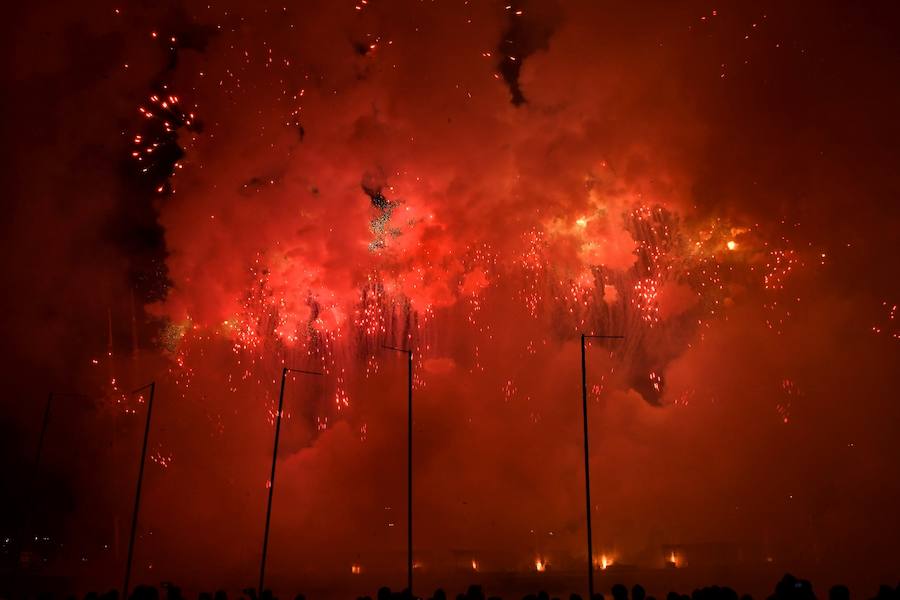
144, 592
173, 592
746, 597
638, 592
885, 592
542, 595
220, 595
475, 593
599, 596
619, 592
574, 596
839, 592
439, 594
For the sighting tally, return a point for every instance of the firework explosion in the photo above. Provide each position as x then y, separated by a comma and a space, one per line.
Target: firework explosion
479, 183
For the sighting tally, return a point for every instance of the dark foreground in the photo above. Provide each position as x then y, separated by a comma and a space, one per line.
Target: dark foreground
788, 588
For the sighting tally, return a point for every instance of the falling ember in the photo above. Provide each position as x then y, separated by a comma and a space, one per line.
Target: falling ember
474, 565
356, 568
732, 245
540, 564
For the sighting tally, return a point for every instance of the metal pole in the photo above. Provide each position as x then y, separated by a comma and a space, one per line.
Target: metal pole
409, 476
137, 494
587, 468
32, 491
265, 547
409, 468
587, 474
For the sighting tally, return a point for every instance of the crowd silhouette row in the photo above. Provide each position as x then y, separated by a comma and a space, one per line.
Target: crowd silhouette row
788, 588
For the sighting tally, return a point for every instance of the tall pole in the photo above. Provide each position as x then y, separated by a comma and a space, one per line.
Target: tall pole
32, 492
409, 467
137, 494
409, 476
587, 474
35, 470
587, 468
265, 546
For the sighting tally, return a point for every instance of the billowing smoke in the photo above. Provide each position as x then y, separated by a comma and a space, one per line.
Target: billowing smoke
481, 183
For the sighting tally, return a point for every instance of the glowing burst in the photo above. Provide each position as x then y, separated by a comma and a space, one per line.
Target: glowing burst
646, 299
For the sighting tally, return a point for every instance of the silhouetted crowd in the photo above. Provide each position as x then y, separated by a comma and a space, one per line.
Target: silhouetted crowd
789, 588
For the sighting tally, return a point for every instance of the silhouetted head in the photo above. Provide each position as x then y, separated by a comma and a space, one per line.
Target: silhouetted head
475, 592
746, 597
638, 592
839, 592
673, 596
785, 587
173, 592
599, 596
542, 595
220, 595
885, 592
384, 593
619, 592
574, 596
440, 594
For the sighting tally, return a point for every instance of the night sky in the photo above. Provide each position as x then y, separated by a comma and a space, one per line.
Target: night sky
201, 193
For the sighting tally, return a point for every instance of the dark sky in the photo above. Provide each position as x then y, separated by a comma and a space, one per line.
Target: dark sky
479, 181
